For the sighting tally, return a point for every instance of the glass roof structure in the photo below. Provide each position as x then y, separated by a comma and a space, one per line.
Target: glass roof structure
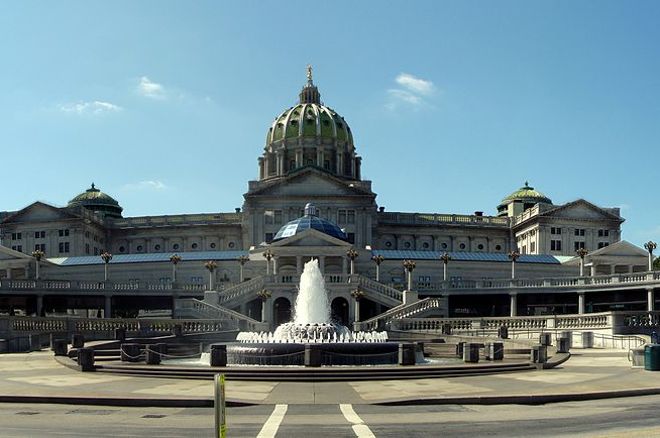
395, 254
310, 221
149, 257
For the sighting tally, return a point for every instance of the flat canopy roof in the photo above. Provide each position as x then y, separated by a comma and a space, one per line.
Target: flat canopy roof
148, 258
401, 254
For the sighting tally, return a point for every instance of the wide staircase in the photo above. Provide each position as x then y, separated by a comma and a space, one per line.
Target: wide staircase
194, 308
418, 309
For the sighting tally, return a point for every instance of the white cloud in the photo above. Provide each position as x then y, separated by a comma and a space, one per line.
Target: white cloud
150, 89
411, 92
95, 107
415, 84
146, 185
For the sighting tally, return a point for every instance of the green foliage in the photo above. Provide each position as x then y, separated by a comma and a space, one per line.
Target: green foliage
656, 264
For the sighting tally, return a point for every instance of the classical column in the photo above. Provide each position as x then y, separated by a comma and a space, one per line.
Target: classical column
344, 265
581, 303
40, 304
514, 304
298, 265
650, 300
107, 307
275, 259
593, 269
322, 264
8, 270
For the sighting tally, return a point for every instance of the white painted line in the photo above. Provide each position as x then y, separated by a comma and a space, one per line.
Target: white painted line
273, 423
361, 430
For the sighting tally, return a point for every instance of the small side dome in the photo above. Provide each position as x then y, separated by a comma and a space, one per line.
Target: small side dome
310, 221
524, 198
95, 200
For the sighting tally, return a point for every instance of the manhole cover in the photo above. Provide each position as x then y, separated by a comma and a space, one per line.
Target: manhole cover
27, 413
91, 411
154, 416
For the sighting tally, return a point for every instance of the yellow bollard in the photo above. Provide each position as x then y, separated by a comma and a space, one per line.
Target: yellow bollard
220, 414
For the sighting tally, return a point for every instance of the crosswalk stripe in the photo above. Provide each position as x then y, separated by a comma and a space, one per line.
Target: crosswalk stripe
272, 425
360, 429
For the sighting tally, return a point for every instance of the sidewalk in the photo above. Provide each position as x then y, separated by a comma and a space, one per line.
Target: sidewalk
591, 373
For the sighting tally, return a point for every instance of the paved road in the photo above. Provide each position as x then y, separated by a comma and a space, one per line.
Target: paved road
616, 418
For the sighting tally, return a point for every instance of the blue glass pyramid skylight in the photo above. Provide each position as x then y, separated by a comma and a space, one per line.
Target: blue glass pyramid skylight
310, 220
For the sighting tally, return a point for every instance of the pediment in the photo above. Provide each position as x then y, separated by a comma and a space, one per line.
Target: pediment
38, 212
309, 183
581, 210
311, 237
622, 248
10, 254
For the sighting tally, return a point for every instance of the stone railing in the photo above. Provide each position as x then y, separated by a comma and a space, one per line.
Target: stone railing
399, 312
207, 310
437, 219
100, 328
181, 219
372, 286
596, 282
527, 214
83, 286
247, 288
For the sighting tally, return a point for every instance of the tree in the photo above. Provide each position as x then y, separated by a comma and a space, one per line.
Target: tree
656, 264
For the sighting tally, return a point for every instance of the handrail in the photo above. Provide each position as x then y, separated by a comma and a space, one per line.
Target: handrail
399, 312
213, 311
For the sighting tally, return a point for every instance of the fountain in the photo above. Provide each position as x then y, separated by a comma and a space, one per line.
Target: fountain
312, 328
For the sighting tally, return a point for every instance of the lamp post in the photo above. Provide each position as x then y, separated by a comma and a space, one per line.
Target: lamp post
513, 256
352, 254
409, 266
268, 255
242, 260
175, 259
378, 259
650, 246
357, 294
582, 252
445, 257
211, 265
264, 295
106, 257
38, 255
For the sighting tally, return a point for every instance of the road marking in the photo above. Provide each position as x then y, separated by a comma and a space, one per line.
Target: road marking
273, 423
361, 430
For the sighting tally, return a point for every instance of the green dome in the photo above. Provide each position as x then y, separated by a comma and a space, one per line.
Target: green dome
527, 194
309, 120
95, 200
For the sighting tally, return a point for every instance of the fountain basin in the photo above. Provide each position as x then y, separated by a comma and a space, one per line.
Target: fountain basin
341, 353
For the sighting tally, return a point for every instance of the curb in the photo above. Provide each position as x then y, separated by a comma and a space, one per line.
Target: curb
120, 401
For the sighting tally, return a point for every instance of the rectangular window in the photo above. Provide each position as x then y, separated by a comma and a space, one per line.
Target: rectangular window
39, 234
578, 245
345, 217
96, 251
278, 217
555, 230
603, 233
524, 249
555, 245
269, 237
87, 248
269, 217
16, 236
63, 233
18, 248
532, 247
64, 247
40, 247
351, 237
579, 231
602, 244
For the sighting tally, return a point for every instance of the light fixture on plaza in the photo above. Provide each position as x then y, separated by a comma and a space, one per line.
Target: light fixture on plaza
106, 257
357, 294
352, 254
582, 252
378, 259
175, 259
513, 256
268, 255
445, 257
650, 246
211, 266
409, 266
38, 255
242, 260
264, 294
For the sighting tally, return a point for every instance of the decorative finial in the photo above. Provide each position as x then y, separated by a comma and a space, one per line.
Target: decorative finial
93, 185
526, 183
309, 73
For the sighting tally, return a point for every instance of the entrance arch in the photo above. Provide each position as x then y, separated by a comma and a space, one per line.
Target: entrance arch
282, 310
339, 311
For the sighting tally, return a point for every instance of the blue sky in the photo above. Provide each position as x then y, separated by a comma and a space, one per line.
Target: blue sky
165, 105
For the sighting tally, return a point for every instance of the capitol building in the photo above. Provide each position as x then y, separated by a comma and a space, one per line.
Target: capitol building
310, 201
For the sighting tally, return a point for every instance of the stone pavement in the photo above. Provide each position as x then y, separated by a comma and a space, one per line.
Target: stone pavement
592, 373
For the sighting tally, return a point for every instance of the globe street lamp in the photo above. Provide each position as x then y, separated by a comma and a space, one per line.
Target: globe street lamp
38, 255
242, 260
378, 259
582, 252
106, 257
409, 266
211, 265
175, 259
445, 257
513, 256
357, 294
650, 246
352, 254
268, 255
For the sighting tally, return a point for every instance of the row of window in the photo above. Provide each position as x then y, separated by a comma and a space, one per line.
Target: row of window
40, 234
579, 231
443, 245
275, 217
177, 247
